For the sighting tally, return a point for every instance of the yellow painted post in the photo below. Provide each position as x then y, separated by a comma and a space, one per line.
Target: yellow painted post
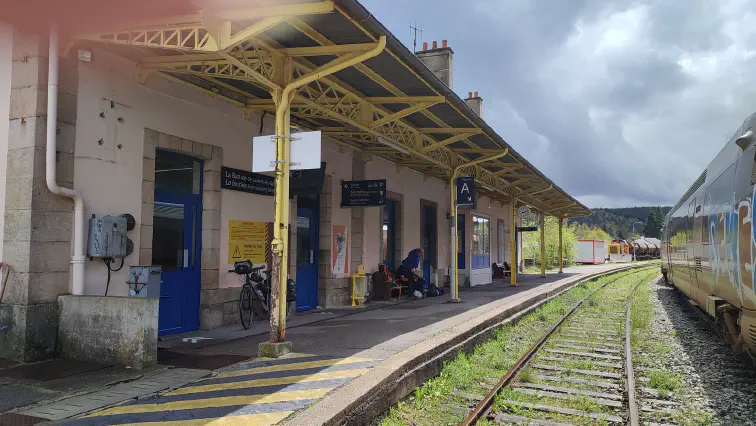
280, 244
543, 246
454, 259
453, 244
279, 269
513, 244
561, 251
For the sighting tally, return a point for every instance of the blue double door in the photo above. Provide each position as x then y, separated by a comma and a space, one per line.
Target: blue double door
308, 239
177, 241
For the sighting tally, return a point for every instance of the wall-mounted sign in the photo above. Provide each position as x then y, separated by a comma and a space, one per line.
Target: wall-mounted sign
244, 181
527, 228
465, 191
248, 241
362, 193
300, 181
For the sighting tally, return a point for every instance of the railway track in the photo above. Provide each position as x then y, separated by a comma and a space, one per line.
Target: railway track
580, 371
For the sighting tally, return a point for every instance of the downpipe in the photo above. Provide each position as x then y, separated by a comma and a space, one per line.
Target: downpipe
78, 258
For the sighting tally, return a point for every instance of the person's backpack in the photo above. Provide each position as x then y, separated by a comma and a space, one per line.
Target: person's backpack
386, 275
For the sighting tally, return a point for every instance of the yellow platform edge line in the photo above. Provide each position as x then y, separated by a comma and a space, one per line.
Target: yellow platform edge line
263, 419
225, 401
345, 374
293, 366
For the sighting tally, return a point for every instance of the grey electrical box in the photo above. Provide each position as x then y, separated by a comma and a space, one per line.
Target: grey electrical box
107, 237
144, 281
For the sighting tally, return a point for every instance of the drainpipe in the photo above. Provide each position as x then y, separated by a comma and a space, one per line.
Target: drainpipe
77, 261
454, 259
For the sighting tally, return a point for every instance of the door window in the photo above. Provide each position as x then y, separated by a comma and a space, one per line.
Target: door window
168, 236
178, 173
304, 248
481, 242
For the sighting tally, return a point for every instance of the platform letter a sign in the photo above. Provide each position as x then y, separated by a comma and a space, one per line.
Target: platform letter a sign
465, 191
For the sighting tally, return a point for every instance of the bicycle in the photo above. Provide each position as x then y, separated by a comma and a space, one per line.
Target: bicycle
258, 286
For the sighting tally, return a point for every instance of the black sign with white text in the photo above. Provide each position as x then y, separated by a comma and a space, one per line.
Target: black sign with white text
363, 193
244, 181
465, 191
527, 228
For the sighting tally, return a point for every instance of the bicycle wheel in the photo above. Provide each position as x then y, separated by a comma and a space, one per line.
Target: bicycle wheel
245, 307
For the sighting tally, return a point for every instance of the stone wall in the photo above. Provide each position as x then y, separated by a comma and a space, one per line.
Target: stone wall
109, 330
38, 224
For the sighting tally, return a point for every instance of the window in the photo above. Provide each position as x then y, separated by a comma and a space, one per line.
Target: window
481, 242
177, 173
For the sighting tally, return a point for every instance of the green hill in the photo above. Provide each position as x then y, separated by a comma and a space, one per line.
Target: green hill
619, 221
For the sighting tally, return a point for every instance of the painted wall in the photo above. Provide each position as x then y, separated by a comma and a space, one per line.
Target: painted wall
414, 187
6, 64
169, 108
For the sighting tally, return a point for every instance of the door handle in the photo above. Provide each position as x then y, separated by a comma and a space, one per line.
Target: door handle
186, 258
312, 257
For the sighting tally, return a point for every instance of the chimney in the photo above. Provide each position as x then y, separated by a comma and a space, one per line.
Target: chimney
475, 102
438, 60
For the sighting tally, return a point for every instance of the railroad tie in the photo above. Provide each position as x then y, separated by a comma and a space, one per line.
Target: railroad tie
597, 383
556, 395
566, 411
616, 365
571, 391
585, 348
507, 419
584, 354
604, 374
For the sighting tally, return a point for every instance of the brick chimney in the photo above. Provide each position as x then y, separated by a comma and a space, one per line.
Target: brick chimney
438, 60
475, 102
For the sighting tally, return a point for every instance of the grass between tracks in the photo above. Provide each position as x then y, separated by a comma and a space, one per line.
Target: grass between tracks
442, 400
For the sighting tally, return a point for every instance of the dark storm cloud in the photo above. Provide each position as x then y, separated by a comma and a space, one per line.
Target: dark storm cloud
619, 102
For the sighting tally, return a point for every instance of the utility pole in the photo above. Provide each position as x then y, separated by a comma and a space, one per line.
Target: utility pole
415, 29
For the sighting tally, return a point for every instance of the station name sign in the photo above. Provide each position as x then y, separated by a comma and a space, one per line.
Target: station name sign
244, 181
363, 193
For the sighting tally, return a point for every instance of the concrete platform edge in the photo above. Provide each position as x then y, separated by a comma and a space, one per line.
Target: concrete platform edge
363, 399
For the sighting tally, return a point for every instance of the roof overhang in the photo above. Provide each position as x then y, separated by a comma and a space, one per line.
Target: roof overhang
391, 106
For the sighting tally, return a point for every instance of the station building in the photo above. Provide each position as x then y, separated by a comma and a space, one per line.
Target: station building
152, 117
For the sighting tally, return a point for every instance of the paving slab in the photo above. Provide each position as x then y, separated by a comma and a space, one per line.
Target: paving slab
77, 405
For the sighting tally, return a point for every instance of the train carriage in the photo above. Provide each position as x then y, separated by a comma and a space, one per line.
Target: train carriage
708, 240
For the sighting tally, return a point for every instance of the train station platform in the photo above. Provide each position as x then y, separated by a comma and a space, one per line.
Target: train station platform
340, 356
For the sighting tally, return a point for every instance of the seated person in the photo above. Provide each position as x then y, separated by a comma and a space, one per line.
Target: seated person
407, 272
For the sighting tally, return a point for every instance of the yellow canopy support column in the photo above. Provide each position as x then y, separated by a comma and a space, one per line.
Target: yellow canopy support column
513, 244
543, 246
561, 251
280, 261
454, 260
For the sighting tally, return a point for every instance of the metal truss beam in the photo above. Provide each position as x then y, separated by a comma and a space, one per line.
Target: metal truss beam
207, 31
402, 113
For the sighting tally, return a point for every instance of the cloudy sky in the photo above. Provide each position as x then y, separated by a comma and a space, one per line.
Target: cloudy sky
619, 102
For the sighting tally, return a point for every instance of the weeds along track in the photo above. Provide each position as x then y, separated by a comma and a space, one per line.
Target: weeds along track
580, 371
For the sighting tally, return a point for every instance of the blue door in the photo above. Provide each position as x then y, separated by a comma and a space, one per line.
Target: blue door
177, 242
429, 240
461, 241
307, 256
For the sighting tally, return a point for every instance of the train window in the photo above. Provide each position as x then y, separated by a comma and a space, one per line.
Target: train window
698, 209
